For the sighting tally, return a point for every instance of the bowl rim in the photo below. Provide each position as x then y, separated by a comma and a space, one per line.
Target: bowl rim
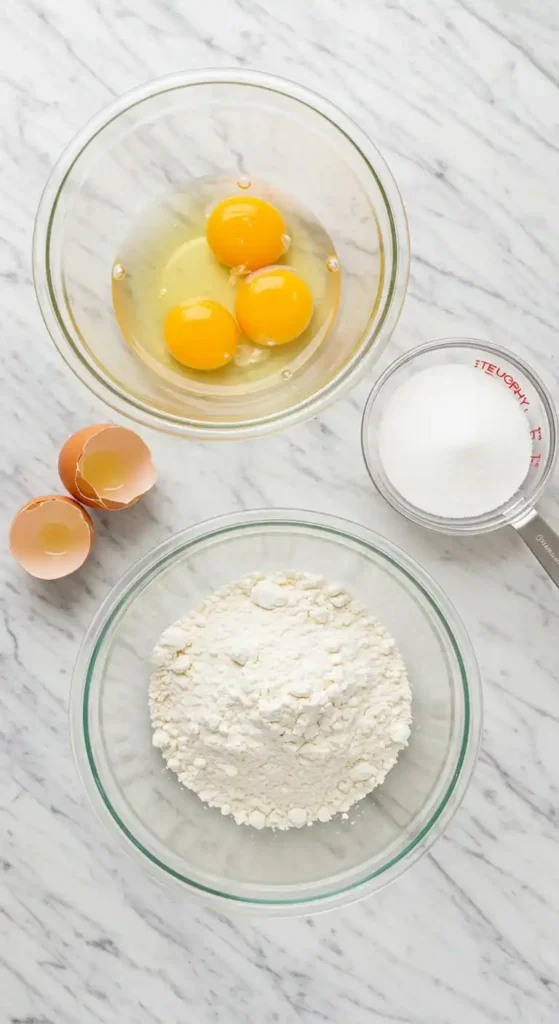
145, 570
374, 339
472, 525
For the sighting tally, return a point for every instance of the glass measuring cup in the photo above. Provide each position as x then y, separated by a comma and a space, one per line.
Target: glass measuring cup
510, 372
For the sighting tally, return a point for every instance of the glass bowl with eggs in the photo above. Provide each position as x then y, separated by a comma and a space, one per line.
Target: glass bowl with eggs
178, 828
220, 254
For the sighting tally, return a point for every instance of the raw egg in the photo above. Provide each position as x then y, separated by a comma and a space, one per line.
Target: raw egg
51, 536
107, 467
246, 232
201, 334
273, 306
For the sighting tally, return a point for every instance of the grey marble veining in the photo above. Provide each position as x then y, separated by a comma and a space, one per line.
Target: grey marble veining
461, 96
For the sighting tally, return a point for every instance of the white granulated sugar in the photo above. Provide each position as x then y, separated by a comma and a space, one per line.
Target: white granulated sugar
279, 700
455, 442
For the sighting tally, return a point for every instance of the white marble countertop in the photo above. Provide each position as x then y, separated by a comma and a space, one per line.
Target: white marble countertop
461, 97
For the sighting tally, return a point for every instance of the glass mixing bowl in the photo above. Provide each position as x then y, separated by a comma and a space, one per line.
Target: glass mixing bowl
166, 827
156, 140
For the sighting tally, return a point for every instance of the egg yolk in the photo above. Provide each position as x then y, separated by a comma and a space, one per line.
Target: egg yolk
247, 232
201, 334
274, 306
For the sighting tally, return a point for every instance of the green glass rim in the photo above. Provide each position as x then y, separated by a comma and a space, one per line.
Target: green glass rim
107, 389
220, 527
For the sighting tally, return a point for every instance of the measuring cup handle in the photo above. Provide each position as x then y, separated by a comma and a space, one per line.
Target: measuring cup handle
542, 541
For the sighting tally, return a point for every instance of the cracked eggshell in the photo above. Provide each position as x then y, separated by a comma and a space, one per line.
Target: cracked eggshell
132, 452
29, 542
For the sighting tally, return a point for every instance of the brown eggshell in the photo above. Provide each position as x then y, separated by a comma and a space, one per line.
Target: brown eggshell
125, 444
70, 455
25, 536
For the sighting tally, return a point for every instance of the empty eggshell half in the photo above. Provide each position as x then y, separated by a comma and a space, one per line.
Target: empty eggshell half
51, 536
105, 466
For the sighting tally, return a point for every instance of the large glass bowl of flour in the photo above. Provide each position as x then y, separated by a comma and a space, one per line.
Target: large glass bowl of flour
166, 827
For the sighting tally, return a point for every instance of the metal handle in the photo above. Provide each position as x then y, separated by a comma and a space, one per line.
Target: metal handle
542, 541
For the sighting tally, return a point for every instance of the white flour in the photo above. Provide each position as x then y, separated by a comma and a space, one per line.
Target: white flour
279, 700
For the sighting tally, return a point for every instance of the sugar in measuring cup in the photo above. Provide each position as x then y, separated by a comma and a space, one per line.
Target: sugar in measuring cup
534, 401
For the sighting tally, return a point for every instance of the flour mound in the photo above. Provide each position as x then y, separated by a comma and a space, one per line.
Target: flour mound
279, 700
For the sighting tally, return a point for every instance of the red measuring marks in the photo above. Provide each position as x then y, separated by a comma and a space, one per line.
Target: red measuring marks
536, 435
507, 378
497, 371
